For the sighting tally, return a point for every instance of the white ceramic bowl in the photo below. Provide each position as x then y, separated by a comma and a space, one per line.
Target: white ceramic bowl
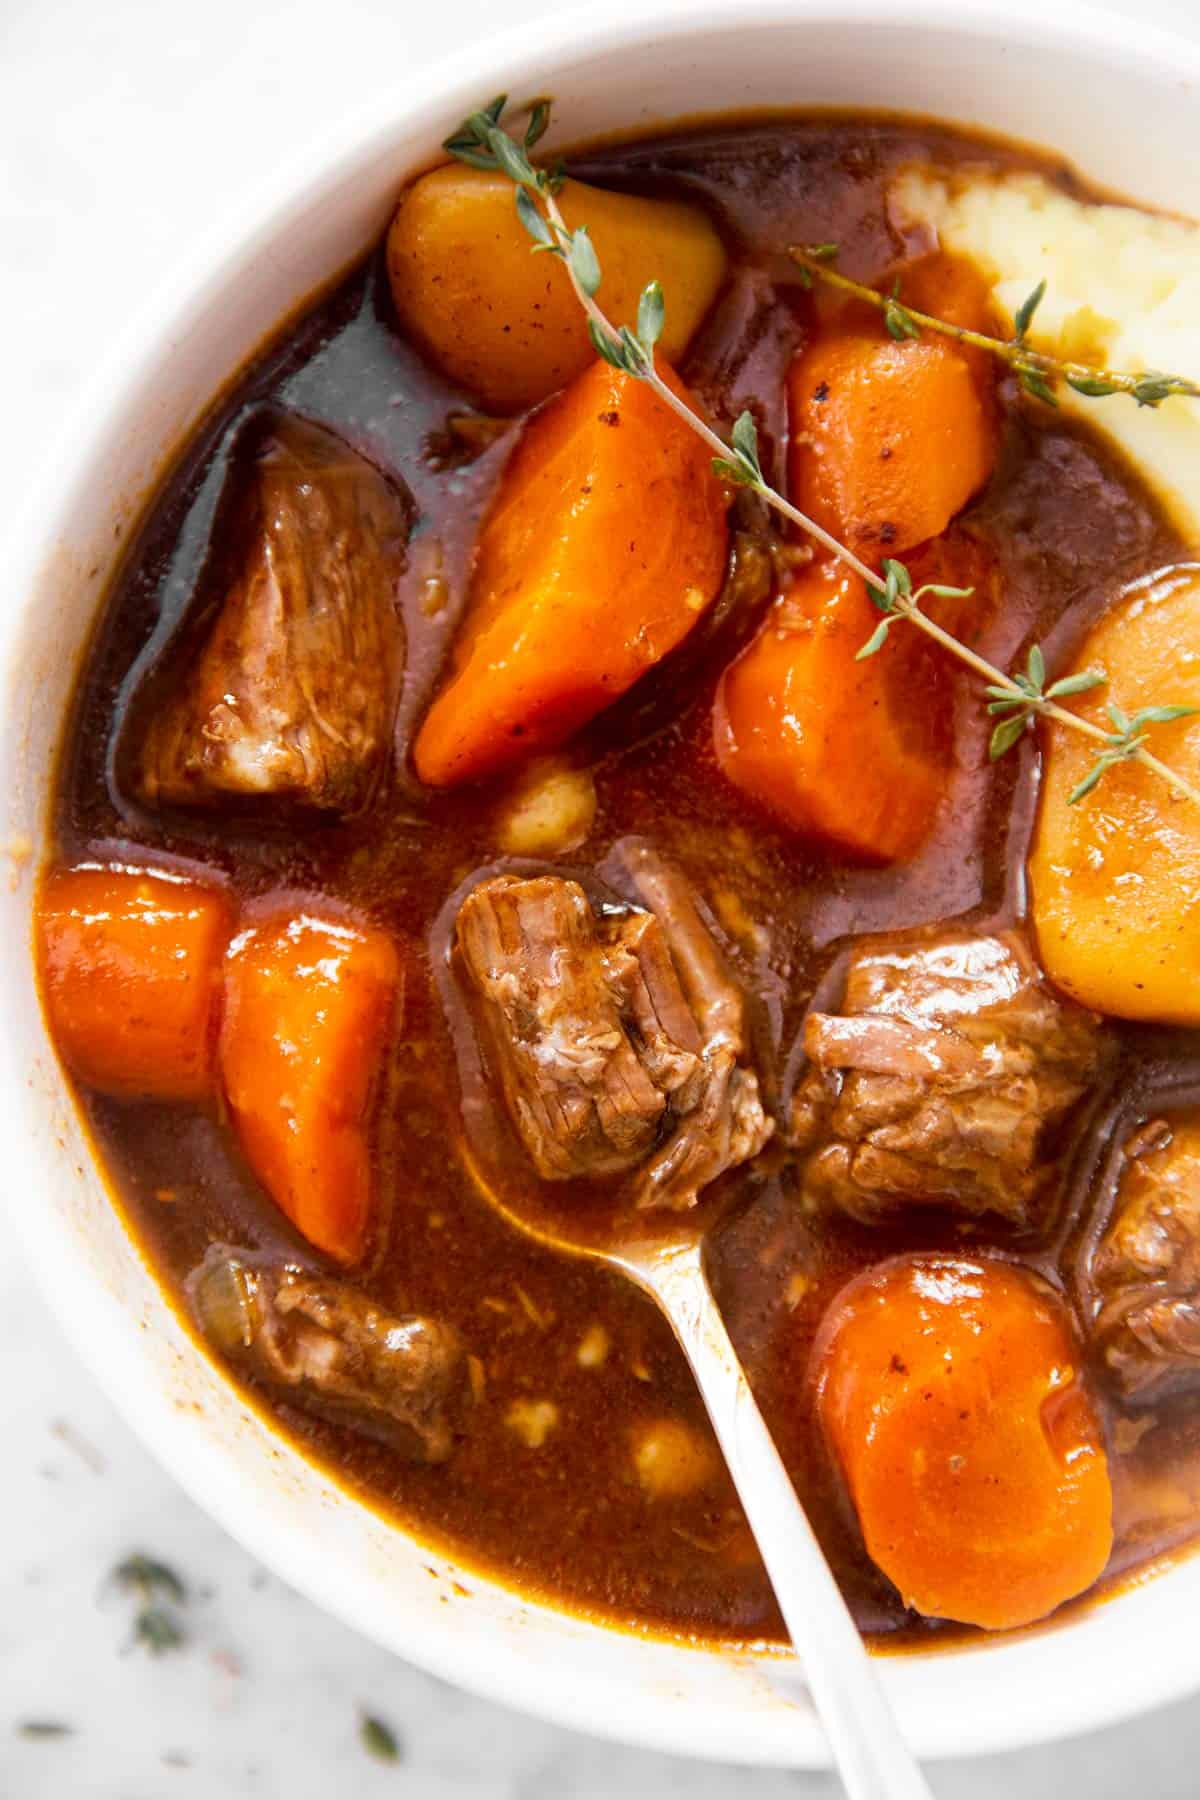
1119, 102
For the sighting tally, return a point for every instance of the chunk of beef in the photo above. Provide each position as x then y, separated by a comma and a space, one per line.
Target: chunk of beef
333, 1352
617, 1037
293, 692
1147, 1268
938, 1082
726, 1124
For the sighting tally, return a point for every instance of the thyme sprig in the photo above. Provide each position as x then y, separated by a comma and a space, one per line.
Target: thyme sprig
895, 599
1125, 742
378, 1738
152, 1583
1038, 372
482, 142
1016, 714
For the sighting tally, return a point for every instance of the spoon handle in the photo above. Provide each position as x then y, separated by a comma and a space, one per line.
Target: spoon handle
874, 1761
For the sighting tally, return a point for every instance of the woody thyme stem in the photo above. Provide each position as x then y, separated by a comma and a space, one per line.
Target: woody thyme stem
1148, 388
715, 442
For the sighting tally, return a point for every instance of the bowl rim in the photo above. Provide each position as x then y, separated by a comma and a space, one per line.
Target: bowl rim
441, 91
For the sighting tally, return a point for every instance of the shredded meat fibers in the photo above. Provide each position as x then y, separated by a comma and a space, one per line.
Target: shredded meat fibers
293, 692
617, 1038
332, 1351
939, 1080
1147, 1269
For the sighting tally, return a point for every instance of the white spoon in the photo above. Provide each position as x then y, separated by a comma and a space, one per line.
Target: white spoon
874, 1761
666, 1260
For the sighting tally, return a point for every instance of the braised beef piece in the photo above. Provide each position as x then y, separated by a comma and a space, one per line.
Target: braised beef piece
940, 1079
726, 1125
617, 1037
330, 1350
1147, 1269
293, 692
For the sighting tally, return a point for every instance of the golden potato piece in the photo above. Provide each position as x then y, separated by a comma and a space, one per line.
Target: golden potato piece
504, 323
1115, 879
550, 811
532, 1421
671, 1459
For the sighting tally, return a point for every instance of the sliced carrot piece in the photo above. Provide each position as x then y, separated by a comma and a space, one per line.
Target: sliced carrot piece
952, 1396
130, 963
888, 441
310, 1006
835, 747
606, 543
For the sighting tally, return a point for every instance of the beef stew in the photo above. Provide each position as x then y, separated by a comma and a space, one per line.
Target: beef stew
471, 790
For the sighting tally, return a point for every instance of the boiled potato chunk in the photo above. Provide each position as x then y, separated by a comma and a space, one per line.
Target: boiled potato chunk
549, 812
1115, 879
671, 1459
504, 323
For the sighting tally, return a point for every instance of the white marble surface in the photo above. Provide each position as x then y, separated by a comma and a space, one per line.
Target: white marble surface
124, 126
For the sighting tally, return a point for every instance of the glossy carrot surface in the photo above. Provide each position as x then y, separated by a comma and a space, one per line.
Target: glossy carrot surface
606, 543
952, 1397
130, 962
310, 1006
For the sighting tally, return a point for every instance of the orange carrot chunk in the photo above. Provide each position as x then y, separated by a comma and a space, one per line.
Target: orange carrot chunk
834, 747
951, 1395
955, 289
888, 441
310, 1006
606, 543
130, 963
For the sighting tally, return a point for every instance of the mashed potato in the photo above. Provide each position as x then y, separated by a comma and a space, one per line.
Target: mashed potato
1122, 288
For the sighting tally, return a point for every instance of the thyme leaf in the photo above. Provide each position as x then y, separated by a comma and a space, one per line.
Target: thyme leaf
651, 315
1007, 733
378, 1739
744, 438
875, 642
1125, 742
583, 262
157, 1631
1023, 317
743, 468
1092, 387
897, 319
534, 223
1083, 683
896, 599
145, 1576
156, 1588
1035, 383
1018, 703
539, 120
